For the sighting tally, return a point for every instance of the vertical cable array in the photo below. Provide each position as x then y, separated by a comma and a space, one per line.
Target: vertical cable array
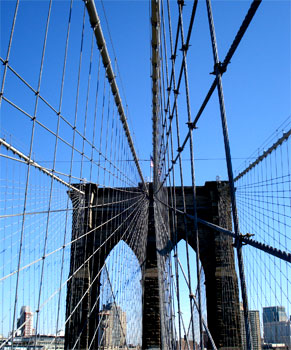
73, 204
263, 193
218, 74
170, 79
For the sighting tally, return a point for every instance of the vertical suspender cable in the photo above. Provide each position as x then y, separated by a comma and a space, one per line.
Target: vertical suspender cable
195, 228
155, 73
238, 243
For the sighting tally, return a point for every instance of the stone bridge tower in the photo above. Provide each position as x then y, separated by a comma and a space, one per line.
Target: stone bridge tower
216, 255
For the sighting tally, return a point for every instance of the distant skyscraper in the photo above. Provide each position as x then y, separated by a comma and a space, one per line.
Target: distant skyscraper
274, 314
277, 327
254, 319
25, 322
113, 326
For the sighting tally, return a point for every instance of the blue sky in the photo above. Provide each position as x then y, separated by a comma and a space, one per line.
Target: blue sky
256, 85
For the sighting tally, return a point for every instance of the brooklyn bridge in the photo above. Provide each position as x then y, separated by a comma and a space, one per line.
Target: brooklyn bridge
124, 223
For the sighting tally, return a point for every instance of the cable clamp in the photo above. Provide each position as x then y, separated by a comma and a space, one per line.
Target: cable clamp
185, 47
180, 149
239, 240
176, 92
191, 125
5, 62
180, 2
191, 296
93, 25
173, 57
219, 68
247, 235
154, 23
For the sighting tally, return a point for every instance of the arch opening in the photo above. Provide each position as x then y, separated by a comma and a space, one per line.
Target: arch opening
186, 330
120, 310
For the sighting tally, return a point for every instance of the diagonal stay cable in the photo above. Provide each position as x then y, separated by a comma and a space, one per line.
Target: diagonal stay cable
6, 61
95, 23
197, 306
243, 238
132, 232
222, 67
283, 138
97, 275
71, 276
72, 241
60, 116
70, 209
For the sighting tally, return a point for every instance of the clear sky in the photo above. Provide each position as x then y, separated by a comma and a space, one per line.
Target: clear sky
256, 84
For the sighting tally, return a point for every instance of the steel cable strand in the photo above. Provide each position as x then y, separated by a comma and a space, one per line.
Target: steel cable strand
137, 209
61, 139
244, 26
95, 278
59, 116
71, 278
6, 61
28, 167
72, 241
185, 47
184, 50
